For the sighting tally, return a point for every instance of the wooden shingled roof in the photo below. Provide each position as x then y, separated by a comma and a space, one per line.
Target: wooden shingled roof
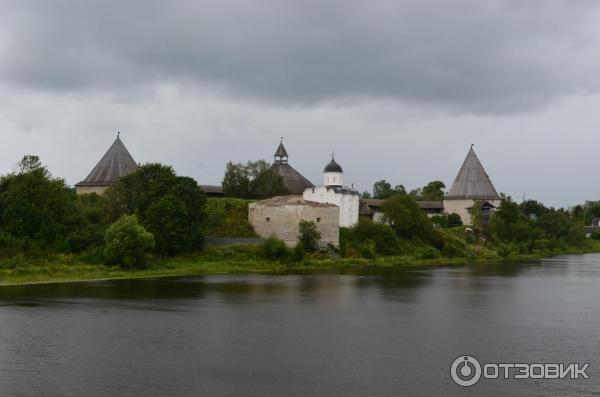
472, 182
294, 182
116, 163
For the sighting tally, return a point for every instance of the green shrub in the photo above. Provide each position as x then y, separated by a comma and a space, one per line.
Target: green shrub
380, 235
127, 242
595, 235
427, 253
505, 250
275, 249
368, 250
227, 217
298, 253
453, 247
309, 236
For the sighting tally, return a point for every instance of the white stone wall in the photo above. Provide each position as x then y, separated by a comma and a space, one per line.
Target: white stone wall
460, 206
91, 189
348, 203
333, 179
283, 220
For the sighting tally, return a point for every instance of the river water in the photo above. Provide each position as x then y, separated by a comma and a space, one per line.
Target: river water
370, 333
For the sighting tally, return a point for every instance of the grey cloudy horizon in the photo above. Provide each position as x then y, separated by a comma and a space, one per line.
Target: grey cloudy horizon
398, 89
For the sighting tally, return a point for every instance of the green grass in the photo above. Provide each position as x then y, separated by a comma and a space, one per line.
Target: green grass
229, 260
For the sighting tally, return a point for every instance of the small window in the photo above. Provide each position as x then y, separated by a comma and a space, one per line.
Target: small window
318, 220
267, 219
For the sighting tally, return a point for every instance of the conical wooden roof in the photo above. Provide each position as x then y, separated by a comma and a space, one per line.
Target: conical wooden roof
293, 181
472, 182
116, 163
281, 152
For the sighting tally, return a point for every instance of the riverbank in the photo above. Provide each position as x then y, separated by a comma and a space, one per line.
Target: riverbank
67, 268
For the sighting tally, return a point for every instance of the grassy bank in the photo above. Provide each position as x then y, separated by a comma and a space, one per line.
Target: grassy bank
231, 260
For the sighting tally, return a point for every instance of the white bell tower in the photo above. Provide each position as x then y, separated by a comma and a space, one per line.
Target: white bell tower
333, 173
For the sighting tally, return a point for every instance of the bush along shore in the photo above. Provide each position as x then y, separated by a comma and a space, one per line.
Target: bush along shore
152, 223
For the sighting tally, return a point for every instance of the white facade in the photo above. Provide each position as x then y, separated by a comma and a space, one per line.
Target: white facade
345, 198
333, 179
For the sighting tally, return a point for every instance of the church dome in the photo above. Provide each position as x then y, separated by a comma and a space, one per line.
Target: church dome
332, 166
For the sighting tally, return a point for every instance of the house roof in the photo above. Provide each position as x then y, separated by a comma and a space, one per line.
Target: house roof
212, 189
378, 203
293, 181
116, 163
472, 182
292, 199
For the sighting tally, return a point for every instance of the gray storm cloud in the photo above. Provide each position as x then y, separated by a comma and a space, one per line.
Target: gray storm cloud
489, 57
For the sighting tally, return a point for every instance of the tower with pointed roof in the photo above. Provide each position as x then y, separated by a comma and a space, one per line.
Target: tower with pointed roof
116, 163
294, 182
471, 184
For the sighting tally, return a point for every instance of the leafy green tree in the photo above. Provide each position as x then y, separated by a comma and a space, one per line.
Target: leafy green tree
171, 207
37, 209
383, 190
477, 218
127, 243
256, 179
433, 191
309, 236
453, 219
533, 208
381, 235
405, 217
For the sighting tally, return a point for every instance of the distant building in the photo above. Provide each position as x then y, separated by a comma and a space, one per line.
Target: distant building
333, 191
371, 208
471, 184
593, 227
213, 190
116, 163
293, 181
280, 216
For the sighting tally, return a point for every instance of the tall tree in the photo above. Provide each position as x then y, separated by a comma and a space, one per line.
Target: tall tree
255, 179
171, 207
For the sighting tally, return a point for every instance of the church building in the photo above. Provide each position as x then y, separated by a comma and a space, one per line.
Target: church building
116, 163
471, 184
333, 191
294, 182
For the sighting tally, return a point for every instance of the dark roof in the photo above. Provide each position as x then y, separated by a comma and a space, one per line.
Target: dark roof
281, 152
293, 181
292, 199
378, 203
433, 205
364, 209
116, 163
472, 182
332, 166
484, 204
212, 190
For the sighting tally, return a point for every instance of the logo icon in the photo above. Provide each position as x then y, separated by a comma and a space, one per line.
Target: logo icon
465, 371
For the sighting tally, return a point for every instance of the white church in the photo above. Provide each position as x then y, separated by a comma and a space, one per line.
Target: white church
333, 191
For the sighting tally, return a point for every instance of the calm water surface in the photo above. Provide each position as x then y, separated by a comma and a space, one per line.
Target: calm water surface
391, 333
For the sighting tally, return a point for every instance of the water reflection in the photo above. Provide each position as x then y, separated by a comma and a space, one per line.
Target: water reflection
364, 331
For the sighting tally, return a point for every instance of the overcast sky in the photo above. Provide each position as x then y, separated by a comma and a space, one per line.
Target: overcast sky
398, 89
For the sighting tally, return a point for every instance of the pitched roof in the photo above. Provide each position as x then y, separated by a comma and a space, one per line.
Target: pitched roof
116, 163
292, 199
472, 181
293, 181
281, 152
